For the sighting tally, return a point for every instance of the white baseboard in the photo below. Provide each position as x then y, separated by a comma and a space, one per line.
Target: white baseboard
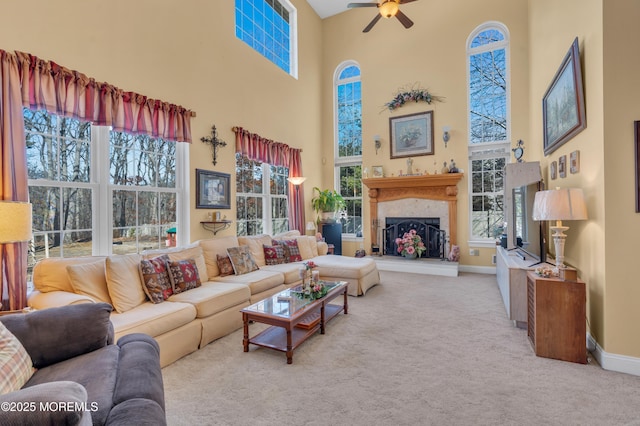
614, 362
478, 269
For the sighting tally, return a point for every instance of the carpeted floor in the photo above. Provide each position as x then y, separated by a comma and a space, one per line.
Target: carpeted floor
417, 349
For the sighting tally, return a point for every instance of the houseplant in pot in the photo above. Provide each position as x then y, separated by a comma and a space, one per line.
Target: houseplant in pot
326, 203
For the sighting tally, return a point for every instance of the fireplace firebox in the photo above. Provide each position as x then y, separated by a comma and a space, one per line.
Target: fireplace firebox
427, 228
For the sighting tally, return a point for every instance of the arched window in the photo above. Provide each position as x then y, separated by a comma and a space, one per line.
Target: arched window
489, 127
348, 144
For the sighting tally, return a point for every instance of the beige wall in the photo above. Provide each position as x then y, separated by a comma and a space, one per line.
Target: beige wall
554, 25
432, 54
621, 107
185, 53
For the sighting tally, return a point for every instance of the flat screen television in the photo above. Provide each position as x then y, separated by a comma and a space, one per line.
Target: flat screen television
529, 235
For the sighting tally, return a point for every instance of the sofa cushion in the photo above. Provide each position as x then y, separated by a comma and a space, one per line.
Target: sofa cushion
291, 250
214, 246
96, 371
304, 246
191, 251
183, 274
70, 395
258, 281
344, 266
50, 274
214, 297
155, 278
255, 244
242, 260
89, 279
16, 367
153, 320
291, 272
123, 281
273, 255
225, 266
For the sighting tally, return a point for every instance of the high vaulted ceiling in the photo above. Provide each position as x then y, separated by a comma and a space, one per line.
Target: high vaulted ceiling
326, 8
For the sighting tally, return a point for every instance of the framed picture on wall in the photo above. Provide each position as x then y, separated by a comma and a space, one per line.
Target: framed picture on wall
574, 162
562, 166
411, 135
563, 112
553, 170
212, 190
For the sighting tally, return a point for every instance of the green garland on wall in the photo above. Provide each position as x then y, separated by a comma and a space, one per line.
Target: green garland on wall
412, 95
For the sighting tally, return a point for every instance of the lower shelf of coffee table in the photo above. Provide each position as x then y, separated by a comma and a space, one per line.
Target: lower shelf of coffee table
275, 337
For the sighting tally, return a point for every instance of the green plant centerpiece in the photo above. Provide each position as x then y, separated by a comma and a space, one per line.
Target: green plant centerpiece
326, 203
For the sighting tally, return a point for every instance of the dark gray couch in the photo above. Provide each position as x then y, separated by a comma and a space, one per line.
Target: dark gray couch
96, 382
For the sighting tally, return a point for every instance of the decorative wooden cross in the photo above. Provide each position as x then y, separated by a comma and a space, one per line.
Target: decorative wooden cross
215, 143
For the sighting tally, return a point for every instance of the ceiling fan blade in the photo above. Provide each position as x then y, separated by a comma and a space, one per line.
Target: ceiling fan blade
372, 23
352, 5
404, 19
406, 1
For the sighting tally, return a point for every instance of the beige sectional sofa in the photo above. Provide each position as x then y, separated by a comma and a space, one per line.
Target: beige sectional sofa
189, 320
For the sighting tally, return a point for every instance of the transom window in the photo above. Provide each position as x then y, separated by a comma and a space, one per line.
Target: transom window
261, 197
85, 206
269, 27
348, 161
489, 127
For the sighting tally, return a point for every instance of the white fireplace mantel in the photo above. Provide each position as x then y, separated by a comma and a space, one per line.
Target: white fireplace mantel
441, 187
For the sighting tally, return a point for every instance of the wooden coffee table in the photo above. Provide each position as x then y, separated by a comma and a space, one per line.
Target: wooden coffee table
293, 319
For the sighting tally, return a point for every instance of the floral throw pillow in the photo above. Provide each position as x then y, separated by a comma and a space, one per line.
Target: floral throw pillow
291, 251
183, 274
241, 260
273, 255
155, 278
225, 266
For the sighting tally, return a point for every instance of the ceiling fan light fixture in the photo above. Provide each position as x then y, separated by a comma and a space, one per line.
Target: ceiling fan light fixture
389, 9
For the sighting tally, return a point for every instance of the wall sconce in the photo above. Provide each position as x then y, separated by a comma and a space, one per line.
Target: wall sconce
377, 142
446, 135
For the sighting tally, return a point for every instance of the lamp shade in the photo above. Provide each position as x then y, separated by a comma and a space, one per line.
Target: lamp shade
15, 221
560, 204
296, 180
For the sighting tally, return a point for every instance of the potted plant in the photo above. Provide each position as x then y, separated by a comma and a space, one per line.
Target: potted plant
326, 202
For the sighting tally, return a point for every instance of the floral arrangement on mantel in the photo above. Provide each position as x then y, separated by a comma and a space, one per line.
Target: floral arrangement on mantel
412, 95
410, 244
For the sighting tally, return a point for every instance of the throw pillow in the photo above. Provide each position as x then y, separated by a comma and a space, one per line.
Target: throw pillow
183, 274
16, 367
291, 250
225, 266
123, 281
90, 280
273, 255
155, 278
241, 260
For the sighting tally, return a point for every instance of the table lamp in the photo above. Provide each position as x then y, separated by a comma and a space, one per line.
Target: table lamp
559, 204
15, 226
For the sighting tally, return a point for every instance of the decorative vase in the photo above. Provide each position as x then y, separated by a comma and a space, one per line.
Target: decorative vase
413, 255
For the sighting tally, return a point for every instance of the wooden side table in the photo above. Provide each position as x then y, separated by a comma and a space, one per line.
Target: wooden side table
556, 320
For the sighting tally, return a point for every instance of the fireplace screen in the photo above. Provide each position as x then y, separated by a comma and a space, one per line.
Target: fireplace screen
427, 228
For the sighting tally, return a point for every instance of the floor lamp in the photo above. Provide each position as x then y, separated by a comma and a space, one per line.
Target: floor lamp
559, 204
296, 181
15, 227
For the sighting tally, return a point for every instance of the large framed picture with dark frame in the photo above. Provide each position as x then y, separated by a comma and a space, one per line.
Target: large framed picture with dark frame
563, 111
212, 190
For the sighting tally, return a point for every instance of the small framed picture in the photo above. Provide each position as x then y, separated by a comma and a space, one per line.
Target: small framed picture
212, 190
553, 170
377, 171
562, 166
574, 162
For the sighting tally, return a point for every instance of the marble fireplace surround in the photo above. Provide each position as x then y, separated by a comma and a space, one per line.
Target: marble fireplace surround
405, 196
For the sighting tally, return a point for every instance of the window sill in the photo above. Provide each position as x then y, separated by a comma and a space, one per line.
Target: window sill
482, 243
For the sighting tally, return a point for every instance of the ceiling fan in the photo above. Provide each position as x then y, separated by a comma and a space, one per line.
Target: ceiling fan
388, 9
